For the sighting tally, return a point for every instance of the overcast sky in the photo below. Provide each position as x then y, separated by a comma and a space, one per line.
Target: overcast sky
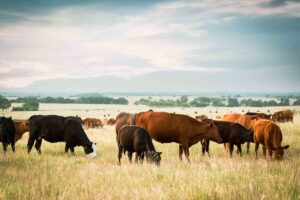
150, 46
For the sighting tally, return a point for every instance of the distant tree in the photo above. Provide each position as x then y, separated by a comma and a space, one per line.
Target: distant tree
32, 105
4, 103
233, 102
297, 102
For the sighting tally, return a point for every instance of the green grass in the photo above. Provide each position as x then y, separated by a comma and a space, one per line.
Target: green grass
56, 175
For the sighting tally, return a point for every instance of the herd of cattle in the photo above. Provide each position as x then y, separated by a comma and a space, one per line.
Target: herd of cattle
134, 132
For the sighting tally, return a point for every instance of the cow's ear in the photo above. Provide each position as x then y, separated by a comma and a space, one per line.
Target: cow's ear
286, 147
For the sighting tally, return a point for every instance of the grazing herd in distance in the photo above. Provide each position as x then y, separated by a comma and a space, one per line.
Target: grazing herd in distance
135, 131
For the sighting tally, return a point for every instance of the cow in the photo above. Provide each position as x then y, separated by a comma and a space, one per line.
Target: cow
201, 117
245, 120
283, 116
53, 128
182, 129
137, 139
21, 126
111, 121
124, 119
7, 133
92, 123
231, 133
268, 134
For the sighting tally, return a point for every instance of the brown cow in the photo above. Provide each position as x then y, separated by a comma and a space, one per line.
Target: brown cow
283, 116
92, 123
124, 119
269, 135
111, 121
21, 126
187, 131
245, 120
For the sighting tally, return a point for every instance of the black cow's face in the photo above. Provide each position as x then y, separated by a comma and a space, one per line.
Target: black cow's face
153, 157
90, 150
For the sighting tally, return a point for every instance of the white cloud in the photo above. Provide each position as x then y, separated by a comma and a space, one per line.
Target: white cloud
87, 42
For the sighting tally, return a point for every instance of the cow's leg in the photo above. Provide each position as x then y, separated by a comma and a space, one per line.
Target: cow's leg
30, 142
38, 143
248, 147
230, 149
207, 147
180, 152
186, 153
270, 151
264, 151
4, 145
120, 153
129, 156
240, 149
256, 148
203, 147
72, 150
136, 157
66, 148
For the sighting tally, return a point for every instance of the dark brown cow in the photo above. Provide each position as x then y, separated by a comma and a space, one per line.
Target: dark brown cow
111, 121
283, 116
268, 134
184, 130
21, 126
92, 123
245, 120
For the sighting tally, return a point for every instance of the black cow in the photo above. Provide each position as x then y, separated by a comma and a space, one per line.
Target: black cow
7, 133
137, 139
231, 133
53, 128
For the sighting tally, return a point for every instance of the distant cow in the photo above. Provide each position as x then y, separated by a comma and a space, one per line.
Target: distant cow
231, 133
111, 121
124, 119
201, 117
53, 128
182, 129
137, 139
268, 134
283, 116
245, 120
7, 133
21, 126
92, 123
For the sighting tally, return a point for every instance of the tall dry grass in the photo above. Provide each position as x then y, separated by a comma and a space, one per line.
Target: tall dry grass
56, 175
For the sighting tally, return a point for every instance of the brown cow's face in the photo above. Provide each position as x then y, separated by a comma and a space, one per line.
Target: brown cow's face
279, 152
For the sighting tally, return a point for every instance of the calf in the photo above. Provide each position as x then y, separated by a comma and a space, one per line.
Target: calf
137, 139
7, 133
269, 135
53, 128
231, 134
21, 126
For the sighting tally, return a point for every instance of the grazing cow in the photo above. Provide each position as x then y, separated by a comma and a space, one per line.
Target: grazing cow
137, 139
7, 133
124, 119
21, 126
268, 134
201, 117
283, 116
92, 123
231, 133
111, 121
184, 130
53, 128
245, 120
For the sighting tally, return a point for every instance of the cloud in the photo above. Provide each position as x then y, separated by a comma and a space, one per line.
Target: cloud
90, 41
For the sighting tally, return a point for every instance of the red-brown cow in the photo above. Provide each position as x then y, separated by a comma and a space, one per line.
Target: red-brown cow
187, 131
21, 126
269, 135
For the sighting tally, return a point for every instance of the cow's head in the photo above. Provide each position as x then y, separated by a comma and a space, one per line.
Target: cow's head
153, 157
213, 132
90, 150
280, 151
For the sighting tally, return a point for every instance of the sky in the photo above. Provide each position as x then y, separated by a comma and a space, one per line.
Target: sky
150, 46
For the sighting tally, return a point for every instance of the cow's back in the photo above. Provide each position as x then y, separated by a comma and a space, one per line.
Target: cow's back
232, 117
124, 119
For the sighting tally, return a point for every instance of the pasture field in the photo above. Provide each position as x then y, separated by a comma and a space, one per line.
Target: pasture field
56, 175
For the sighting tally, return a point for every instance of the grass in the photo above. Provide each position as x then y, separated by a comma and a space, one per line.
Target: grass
56, 175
